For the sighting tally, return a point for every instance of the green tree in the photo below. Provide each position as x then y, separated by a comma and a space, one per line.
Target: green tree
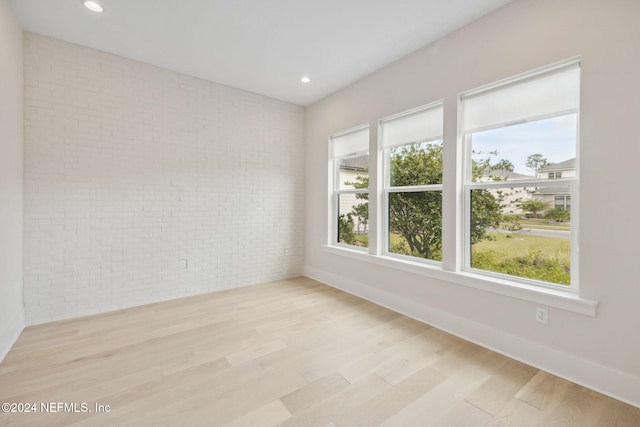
534, 206
482, 164
536, 161
504, 165
486, 206
486, 212
345, 229
361, 210
417, 216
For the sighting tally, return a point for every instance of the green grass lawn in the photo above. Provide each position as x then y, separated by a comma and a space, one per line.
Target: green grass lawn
514, 244
508, 245
543, 224
362, 240
534, 257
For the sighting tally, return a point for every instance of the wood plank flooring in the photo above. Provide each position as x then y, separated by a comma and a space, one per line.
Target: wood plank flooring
288, 353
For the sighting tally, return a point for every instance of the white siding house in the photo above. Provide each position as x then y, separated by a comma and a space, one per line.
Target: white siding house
559, 196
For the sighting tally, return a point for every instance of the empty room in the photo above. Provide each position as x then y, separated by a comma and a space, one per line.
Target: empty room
319, 213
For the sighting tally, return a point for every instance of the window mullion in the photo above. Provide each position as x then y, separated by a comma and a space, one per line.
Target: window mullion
415, 188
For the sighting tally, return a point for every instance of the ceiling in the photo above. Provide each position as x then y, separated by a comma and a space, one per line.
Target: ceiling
262, 46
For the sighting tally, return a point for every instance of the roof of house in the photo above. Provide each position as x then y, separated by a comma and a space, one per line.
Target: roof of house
567, 164
504, 175
355, 163
559, 191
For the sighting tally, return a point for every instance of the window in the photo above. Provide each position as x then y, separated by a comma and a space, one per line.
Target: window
562, 202
517, 224
350, 204
510, 226
412, 146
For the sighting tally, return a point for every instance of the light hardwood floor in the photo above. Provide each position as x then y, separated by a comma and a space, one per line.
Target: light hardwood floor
288, 353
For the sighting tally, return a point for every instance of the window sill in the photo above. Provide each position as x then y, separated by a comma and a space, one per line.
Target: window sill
557, 298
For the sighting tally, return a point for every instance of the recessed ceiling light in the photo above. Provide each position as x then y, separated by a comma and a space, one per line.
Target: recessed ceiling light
305, 79
93, 5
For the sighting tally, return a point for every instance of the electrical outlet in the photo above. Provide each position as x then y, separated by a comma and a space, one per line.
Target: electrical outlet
542, 315
183, 264
286, 252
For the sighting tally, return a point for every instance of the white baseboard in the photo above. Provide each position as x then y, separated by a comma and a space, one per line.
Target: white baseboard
605, 380
10, 334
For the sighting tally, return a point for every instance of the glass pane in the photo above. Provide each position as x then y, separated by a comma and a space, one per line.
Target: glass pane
415, 224
353, 219
416, 164
544, 149
353, 171
534, 243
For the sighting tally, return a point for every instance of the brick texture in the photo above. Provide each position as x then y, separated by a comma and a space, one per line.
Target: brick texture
131, 169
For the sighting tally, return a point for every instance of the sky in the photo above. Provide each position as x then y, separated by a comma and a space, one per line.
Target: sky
554, 138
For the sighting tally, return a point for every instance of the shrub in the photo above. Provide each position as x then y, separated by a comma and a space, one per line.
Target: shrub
558, 214
345, 229
534, 265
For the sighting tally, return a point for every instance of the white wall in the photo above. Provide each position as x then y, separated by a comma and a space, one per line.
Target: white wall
11, 182
130, 169
602, 352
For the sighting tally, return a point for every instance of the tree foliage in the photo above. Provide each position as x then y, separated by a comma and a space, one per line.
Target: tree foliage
559, 214
486, 207
361, 210
482, 163
504, 165
345, 229
535, 206
417, 216
486, 212
537, 161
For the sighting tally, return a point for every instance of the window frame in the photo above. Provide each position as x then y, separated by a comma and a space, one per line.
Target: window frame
336, 191
387, 188
451, 268
467, 185
566, 202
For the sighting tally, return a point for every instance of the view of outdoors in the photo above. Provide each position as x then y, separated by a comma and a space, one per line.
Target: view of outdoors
353, 206
415, 217
523, 228
519, 215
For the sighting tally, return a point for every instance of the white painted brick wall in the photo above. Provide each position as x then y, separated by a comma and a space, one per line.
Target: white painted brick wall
130, 168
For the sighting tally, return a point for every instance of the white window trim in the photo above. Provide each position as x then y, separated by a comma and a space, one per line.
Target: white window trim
386, 180
464, 242
556, 298
335, 191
